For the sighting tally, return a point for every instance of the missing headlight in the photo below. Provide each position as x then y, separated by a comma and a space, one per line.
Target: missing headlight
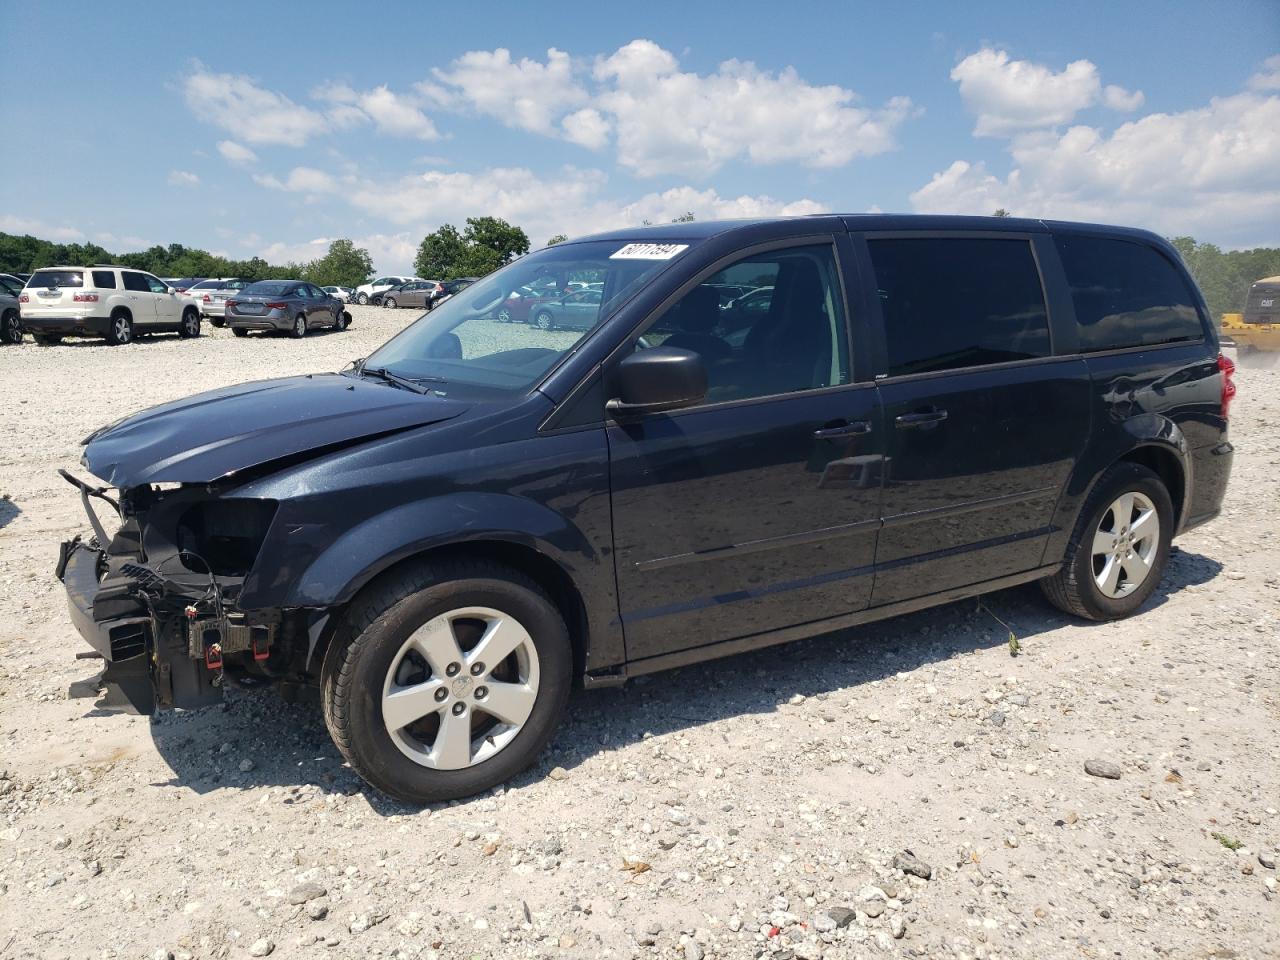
223, 537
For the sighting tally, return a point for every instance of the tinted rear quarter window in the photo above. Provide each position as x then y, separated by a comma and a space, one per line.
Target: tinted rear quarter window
104, 279
952, 302
1126, 294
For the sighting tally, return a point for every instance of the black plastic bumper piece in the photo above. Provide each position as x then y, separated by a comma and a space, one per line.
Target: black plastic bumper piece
122, 642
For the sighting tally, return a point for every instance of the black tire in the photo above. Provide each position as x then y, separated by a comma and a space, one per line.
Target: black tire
376, 626
10, 327
504, 315
344, 320
1073, 589
120, 328
390, 302
240, 331
218, 321
190, 325
362, 299
47, 339
543, 320
299, 328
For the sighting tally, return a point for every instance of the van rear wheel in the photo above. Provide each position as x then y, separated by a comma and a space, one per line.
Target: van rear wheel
1119, 547
447, 679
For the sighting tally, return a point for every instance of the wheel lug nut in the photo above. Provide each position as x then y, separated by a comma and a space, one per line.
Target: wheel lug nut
452, 669
459, 708
481, 692
477, 669
441, 695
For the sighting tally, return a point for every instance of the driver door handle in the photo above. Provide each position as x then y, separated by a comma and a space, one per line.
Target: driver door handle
921, 418
854, 428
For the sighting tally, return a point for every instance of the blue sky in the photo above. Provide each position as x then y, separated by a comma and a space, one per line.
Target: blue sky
143, 124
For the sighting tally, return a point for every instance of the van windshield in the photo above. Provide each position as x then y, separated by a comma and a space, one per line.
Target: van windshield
506, 330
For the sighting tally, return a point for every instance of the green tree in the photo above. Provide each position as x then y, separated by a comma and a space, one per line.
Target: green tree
686, 217
1002, 212
1224, 276
487, 244
558, 238
345, 265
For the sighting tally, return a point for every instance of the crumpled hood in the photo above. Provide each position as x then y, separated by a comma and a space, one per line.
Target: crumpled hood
222, 432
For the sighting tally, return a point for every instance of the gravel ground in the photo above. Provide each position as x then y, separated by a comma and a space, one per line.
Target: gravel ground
758, 806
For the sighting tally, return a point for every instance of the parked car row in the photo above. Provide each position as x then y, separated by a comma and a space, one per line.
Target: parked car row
426, 294
120, 304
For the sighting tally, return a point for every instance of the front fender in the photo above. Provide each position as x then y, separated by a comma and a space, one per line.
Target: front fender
337, 572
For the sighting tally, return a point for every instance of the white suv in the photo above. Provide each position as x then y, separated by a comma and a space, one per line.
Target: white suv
367, 290
103, 301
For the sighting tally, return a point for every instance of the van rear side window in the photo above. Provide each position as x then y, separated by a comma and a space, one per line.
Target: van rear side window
952, 302
104, 279
1126, 294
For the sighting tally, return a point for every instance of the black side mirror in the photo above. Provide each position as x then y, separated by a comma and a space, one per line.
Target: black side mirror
661, 378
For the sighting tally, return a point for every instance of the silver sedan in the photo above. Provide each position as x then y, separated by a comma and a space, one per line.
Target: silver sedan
291, 306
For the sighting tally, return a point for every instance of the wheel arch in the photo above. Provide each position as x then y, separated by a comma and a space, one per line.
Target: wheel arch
1165, 462
546, 572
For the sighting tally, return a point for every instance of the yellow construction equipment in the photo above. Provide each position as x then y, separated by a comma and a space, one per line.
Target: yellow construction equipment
1258, 328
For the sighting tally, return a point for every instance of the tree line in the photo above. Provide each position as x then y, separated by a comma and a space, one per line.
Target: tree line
344, 264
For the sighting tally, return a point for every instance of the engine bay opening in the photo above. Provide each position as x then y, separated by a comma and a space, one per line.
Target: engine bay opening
223, 537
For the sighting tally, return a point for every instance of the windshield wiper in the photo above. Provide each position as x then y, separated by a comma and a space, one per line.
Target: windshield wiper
382, 373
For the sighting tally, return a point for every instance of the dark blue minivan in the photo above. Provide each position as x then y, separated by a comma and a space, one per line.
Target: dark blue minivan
886, 413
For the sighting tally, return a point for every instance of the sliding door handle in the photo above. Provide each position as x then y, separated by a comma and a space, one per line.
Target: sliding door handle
855, 428
922, 418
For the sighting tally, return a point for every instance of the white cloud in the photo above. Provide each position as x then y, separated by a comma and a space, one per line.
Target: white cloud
236, 153
183, 178
252, 113
39, 228
299, 180
1122, 100
587, 128
1268, 78
392, 113
1009, 95
668, 121
1209, 171
526, 94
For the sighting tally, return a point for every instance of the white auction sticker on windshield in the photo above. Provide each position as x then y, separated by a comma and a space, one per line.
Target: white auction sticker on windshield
649, 251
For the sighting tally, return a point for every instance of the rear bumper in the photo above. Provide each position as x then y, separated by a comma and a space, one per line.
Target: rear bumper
66, 326
212, 309
259, 323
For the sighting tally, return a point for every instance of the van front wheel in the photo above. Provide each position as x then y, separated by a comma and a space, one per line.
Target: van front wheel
447, 679
1119, 547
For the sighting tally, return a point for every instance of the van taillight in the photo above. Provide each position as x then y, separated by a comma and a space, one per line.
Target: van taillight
1228, 369
84, 298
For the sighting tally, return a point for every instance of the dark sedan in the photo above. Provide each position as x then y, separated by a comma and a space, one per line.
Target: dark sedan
292, 306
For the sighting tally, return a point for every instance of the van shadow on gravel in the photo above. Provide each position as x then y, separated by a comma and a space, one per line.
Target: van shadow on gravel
286, 744
8, 511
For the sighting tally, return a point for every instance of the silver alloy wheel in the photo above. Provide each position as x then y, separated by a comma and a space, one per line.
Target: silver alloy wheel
390, 303
299, 326
449, 708
363, 299
192, 323
122, 329
543, 321
1125, 544
504, 315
